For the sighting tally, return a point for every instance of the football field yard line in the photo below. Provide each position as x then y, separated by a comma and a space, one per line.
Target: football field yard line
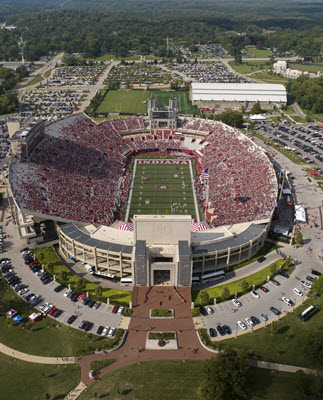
131, 190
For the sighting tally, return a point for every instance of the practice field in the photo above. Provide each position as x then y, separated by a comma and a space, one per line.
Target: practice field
162, 189
135, 101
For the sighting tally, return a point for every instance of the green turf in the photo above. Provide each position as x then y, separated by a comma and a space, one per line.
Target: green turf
29, 381
258, 53
147, 199
289, 344
37, 79
250, 66
135, 101
45, 337
169, 380
309, 67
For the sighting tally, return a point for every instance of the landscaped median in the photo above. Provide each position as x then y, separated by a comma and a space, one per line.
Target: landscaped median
161, 341
47, 257
258, 278
96, 365
161, 313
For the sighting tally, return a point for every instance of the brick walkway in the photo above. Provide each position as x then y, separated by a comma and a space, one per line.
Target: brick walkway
158, 297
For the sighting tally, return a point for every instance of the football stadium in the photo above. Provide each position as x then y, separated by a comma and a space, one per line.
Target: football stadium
153, 198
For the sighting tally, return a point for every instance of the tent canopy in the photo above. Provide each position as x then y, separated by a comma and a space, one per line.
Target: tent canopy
17, 318
300, 213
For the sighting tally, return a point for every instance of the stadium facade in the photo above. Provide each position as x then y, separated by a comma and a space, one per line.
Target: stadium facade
219, 96
79, 176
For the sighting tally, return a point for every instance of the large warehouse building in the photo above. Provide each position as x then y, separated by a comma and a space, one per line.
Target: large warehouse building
219, 96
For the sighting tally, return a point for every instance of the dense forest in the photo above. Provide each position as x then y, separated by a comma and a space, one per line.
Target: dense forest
97, 27
308, 93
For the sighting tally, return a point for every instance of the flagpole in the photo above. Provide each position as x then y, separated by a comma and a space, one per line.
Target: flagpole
206, 199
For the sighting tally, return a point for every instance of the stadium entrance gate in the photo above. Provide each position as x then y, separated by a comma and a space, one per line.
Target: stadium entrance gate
162, 250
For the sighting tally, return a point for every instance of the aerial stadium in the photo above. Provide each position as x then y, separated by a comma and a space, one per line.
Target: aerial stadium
159, 198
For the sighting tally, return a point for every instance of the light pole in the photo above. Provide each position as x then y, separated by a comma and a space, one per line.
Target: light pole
236, 331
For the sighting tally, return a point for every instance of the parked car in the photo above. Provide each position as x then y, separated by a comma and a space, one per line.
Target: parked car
68, 293
105, 331
99, 330
309, 278
112, 332
287, 301
275, 310
306, 284
91, 303
255, 320
227, 329
121, 310
315, 272
47, 280
59, 288
212, 332
242, 325
115, 309
52, 310
88, 326
249, 322
23, 291
71, 319
255, 294
97, 305
284, 274
298, 292
57, 313
82, 324
263, 317
236, 302
74, 297
263, 288
220, 330
275, 282
209, 310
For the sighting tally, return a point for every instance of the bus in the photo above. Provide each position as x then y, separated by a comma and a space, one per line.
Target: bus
213, 276
195, 280
104, 275
309, 312
126, 281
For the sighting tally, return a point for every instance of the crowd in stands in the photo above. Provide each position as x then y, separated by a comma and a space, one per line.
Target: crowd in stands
78, 171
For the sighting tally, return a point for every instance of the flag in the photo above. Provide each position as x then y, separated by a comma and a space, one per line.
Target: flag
205, 175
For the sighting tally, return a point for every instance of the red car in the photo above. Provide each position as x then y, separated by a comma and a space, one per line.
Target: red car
88, 325
52, 310
31, 264
264, 289
115, 309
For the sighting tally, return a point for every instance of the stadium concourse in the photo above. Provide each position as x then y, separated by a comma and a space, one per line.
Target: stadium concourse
80, 170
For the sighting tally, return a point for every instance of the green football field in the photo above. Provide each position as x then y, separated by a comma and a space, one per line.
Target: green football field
157, 189
135, 101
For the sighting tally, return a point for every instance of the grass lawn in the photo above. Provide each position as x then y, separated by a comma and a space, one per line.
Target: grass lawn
149, 199
44, 337
133, 101
169, 380
297, 118
47, 73
266, 77
37, 79
309, 67
122, 297
250, 66
289, 344
99, 364
258, 278
111, 56
288, 110
29, 381
258, 53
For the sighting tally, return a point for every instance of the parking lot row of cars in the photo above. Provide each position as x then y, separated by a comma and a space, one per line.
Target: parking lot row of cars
261, 317
47, 308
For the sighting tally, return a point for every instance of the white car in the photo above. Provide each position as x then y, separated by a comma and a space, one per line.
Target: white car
242, 325
287, 301
23, 291
236, 302
298, 292
120, 310
306, 284
249, 322
255, 294
209, 310
263, 317
67, 293
105, 331
112, 332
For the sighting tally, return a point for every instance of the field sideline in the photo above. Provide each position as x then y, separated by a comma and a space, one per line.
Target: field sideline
135, 101
162, 190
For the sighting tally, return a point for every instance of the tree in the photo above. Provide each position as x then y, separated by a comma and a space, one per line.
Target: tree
175, 85
273, 269
287, 264
315, 346
303, 382
114, 85
225, 293
204, 296
50, 268
317, 285
63, 275
274, 327
80, 284
98, 291
238, 58
299, 238
225, 377
244, 285
256, 109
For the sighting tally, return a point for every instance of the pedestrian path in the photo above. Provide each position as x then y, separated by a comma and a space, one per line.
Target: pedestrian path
35, 359
283, 367
75, 393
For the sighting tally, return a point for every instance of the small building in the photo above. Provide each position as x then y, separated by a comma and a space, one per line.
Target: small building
219, 96
163, 117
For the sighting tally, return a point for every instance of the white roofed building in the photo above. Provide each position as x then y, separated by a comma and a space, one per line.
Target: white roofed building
219, 96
